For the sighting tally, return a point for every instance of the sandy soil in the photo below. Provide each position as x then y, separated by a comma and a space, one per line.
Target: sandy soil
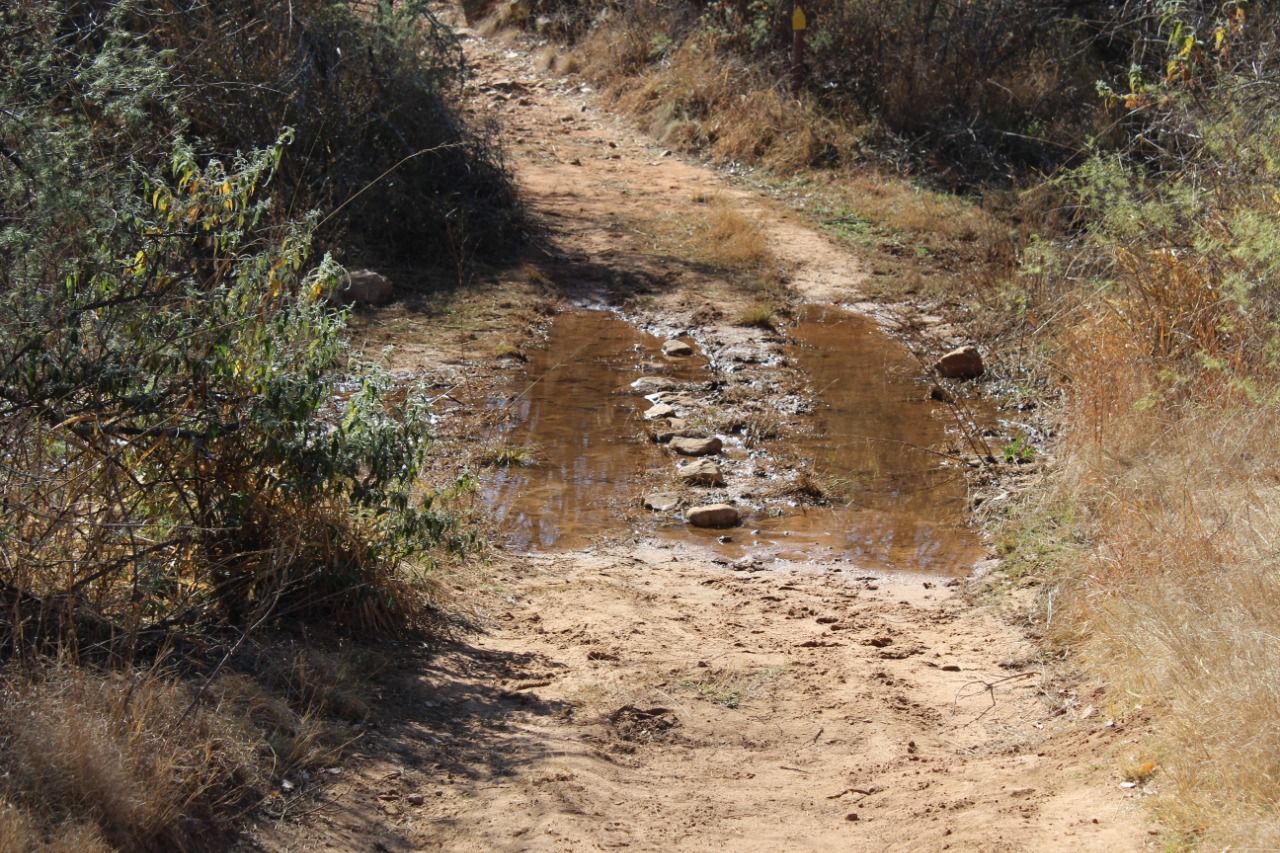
645, 697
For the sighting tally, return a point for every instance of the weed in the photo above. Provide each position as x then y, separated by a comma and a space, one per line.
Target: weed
761, 315
727, 687
506, 454
506, 349
1018, 450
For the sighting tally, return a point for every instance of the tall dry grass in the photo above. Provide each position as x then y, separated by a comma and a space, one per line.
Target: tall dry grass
119, 762
1169, 489
1177, 602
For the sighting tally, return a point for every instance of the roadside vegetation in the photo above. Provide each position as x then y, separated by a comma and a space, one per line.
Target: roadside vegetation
194, 465
1095, 186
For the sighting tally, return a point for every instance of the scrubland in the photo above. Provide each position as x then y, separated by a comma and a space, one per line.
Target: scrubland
201, 505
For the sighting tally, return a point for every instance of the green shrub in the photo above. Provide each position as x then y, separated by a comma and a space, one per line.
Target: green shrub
177, 439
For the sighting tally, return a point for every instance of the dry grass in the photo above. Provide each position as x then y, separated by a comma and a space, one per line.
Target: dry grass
1178, 602
760, 315
699, 99
94, 760
1170, 486
754, 425
717, 234
810, 487
731, 687
126, 762
503, 453
728, 239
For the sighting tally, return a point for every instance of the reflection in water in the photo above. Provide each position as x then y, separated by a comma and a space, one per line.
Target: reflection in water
585, 428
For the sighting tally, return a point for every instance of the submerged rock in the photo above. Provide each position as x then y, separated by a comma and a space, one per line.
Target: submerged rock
696, 446
961, 363
702, 472
713, 515
653, 384
677, 349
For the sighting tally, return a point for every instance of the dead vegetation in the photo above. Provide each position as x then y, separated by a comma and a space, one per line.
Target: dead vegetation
120, 761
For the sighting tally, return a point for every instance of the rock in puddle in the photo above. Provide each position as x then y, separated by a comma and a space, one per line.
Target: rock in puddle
653, 384
961, 363
662, 501
696, 446
674, 398
676, 349
713, 515
661, 410
702, 472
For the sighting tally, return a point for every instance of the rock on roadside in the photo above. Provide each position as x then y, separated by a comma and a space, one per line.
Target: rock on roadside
713, 515
961, 363
702, 472
363, 287
696, 446
661, 502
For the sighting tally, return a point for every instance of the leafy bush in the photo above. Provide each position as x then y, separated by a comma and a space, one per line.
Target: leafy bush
177, 441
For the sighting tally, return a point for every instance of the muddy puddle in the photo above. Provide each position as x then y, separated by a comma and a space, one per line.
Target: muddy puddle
572, 411
892, 499
873, 443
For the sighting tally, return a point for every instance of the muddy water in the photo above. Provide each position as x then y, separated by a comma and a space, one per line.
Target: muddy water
897, 504
573, 408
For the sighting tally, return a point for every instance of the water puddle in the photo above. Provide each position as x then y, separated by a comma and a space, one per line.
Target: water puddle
572, 408
894, 501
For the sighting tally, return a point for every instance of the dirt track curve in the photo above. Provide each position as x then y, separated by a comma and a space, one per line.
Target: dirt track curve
645, 697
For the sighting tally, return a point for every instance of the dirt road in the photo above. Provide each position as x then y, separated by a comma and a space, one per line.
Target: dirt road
643, 696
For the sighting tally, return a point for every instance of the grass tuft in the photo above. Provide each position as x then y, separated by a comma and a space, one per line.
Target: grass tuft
760, 315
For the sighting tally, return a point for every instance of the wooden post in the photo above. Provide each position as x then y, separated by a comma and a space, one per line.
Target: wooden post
798, 26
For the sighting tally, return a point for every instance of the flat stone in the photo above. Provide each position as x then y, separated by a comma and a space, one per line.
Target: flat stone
696, 446
662, 431
653, 384
961, 363
713, 515
701, 472
661, 410
674, 398
661, 501
676, 349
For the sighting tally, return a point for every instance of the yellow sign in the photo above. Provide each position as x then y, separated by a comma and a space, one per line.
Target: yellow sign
798, 21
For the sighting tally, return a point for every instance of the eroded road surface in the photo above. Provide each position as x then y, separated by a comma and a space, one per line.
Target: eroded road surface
826, 678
